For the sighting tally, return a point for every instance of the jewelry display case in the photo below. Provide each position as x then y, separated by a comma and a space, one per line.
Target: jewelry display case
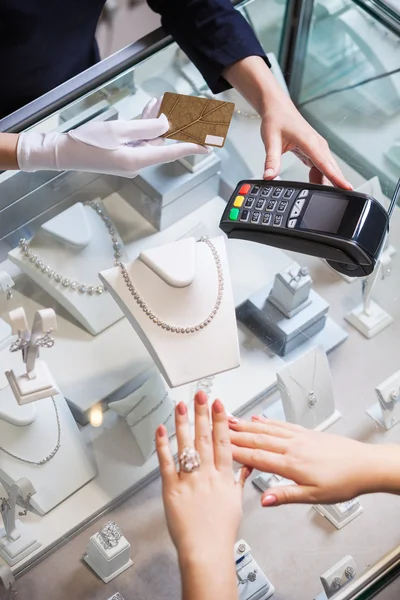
101, 366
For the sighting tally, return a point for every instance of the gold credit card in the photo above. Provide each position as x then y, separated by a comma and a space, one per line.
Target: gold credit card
200, 120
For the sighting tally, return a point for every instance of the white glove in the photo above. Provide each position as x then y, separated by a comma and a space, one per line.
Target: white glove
114, 147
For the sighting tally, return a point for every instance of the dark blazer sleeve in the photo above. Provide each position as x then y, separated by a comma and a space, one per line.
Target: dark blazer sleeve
212, 33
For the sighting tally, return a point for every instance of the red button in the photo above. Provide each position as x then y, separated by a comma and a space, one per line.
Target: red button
245, 188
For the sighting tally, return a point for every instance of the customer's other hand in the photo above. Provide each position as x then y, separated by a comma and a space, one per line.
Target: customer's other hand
204, 507
326, 468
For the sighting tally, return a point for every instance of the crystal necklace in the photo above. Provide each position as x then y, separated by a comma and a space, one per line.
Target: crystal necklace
65, 282
174, 328
310, 393
52, 453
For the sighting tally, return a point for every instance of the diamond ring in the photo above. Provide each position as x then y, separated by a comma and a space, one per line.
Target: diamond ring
110, 535
189, 460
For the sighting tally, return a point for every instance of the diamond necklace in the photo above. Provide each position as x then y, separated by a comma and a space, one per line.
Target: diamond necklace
173, 328
310, 394
52, 453
65, 282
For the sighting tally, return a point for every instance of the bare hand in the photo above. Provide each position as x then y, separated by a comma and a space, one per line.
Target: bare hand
326, 468
196, 503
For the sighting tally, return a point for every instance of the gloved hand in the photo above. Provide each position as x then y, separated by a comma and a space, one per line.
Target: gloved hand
114, 147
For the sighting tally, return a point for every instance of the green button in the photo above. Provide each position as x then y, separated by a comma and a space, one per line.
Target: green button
234, 214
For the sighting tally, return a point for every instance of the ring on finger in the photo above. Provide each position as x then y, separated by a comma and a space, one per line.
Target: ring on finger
189, 460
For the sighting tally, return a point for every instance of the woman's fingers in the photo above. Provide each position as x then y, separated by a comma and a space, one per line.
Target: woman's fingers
289, 494
203, 436
245, 473
270, 462
268, 428
165, 458
221, 438
259, 441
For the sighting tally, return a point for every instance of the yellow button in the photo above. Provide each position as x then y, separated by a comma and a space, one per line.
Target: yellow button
238, 201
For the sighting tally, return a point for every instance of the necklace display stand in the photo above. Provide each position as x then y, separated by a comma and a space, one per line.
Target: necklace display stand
32, 432
6, 285
253, 584
144, 409
15, 543
108, 562
337, 577
179, 282
342, 513
369, 318
372, 187
386, 411
76, 244
306, 391
287, 313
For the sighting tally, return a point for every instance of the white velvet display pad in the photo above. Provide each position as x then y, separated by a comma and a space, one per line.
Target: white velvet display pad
309, 372
65, 473
78, 263
182, 358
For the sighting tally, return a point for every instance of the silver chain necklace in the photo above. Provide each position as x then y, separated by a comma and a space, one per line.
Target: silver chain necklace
52, 453
65, 282
310, 393
174, 328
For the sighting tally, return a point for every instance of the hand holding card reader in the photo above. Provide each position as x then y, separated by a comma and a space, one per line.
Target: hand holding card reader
346, 228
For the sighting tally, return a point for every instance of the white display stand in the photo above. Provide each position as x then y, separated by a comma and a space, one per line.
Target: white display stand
386, 411
6, 580
108, 563
15, 542
342, 513
33, 381
76, 244
179, 281
337, 577
145, 409
369, 318
253, 584
309, 373
6, 284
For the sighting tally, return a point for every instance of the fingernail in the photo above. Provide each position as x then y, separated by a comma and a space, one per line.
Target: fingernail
201, 398
268, 500
232, 420
161, 431
255, 418
182, 410
218, 406
269, 172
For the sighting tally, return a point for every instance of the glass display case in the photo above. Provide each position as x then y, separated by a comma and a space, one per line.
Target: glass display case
80, 452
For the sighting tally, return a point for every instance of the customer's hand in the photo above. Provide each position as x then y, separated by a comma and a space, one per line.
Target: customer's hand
114, 147
326, 468
196, 503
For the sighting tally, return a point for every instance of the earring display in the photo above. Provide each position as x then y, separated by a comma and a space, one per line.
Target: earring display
386, 411
145, 409
15, 542
337, 577
288, 313
108, 552
251, 581
342, 513
181, 288
306, 392
65, 257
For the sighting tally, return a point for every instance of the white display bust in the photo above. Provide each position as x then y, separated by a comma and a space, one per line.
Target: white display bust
179, 282
77, 244
306, 390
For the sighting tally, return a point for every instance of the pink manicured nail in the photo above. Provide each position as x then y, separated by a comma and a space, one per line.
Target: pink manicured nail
268, 500
182, 410
201, 398
232, 420
161, 431
256, 418
218, 406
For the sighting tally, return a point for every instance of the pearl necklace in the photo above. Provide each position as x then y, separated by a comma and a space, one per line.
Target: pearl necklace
174, 328
58, 278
